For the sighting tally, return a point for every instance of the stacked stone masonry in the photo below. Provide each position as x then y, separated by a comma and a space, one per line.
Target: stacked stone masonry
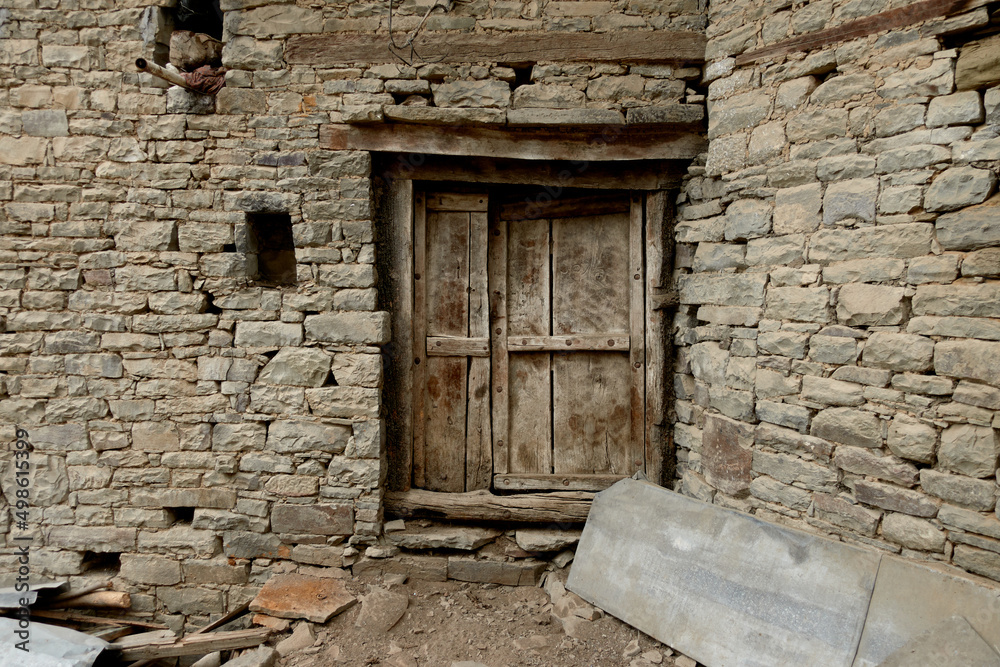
839, 363
838, 334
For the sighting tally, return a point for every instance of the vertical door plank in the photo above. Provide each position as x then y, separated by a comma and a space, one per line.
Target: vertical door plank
447, 285
591, 422
636, 450
497, 270
419, 336
656, 339
530, 380
590, 290
400, 447
479, 442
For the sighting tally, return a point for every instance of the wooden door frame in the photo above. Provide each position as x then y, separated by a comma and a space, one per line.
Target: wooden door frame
657, 299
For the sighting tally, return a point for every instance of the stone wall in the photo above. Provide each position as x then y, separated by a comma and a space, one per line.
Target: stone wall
839, 363
192, 426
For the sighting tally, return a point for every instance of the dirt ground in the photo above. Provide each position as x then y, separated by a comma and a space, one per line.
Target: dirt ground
471, 624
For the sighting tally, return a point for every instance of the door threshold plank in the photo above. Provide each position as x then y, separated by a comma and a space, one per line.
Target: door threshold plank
532, 482
566, 506
611, 342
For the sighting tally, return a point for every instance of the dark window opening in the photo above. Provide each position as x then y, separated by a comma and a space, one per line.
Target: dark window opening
522, 75
101, 562
181, 514
269, 241
202, 16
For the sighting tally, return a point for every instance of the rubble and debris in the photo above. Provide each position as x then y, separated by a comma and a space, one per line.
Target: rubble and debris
165, 646
302, 637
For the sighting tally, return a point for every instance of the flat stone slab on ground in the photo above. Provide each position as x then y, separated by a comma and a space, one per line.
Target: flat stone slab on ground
443, 537
381, 609
298, 596
722, 587
911, 599
542, 539
952, 643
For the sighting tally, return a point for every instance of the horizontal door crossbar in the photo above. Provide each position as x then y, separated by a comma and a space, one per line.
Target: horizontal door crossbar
447, 346
538, 482
581, 342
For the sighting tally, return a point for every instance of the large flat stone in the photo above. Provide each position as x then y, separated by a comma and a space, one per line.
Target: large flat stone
952, 643
467, 538
910, 599
298, 596
719, 586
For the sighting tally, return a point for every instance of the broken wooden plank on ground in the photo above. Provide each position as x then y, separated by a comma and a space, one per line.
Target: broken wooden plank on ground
97, 620
561, 506
632, 46
722, 587
194, 644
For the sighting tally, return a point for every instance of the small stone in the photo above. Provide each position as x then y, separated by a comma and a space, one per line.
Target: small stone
468, 538
381, 609
264, 656
969, 450
913, 533
541, 539
302, 637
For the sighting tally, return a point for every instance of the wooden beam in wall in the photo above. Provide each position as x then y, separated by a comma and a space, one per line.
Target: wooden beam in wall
889, 20
558, 507
603, 144
633, 46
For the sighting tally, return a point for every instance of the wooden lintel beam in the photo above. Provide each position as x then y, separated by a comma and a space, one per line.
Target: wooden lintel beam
637, 175
559, 507
888, 20
632, 46
608, 143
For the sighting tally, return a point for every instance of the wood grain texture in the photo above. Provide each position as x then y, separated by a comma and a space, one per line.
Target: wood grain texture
591, 422
563, 207
566, 506
656, 339
456, 201
529, 396
637, 174
448, 346
590, 275
527, 482
660, 46
479, 438
497, 270
400, 445
419, 335
634, 454
610, 144
445, 423
613, 342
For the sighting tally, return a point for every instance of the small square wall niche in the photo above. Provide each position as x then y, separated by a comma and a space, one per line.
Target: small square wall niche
270, 240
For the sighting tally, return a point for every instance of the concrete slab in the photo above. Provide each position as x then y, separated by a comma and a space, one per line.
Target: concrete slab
910, 599
722, 587
952, 643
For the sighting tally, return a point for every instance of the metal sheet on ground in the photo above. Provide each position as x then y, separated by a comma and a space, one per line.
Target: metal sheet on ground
910, 599
722, 587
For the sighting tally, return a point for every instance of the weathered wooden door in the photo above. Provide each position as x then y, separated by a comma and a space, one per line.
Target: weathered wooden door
529, 334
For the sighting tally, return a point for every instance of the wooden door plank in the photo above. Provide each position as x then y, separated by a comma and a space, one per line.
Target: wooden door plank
447, 284
613, 342
631, 46
479, 440
527, 482
400, 446
635, 452
590, 274
419, 334
452, 346
591, 416
528, 307
656, 338
457, 201
497, 272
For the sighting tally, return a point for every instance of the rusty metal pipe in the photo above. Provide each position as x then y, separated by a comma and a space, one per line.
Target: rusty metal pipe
152, 68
